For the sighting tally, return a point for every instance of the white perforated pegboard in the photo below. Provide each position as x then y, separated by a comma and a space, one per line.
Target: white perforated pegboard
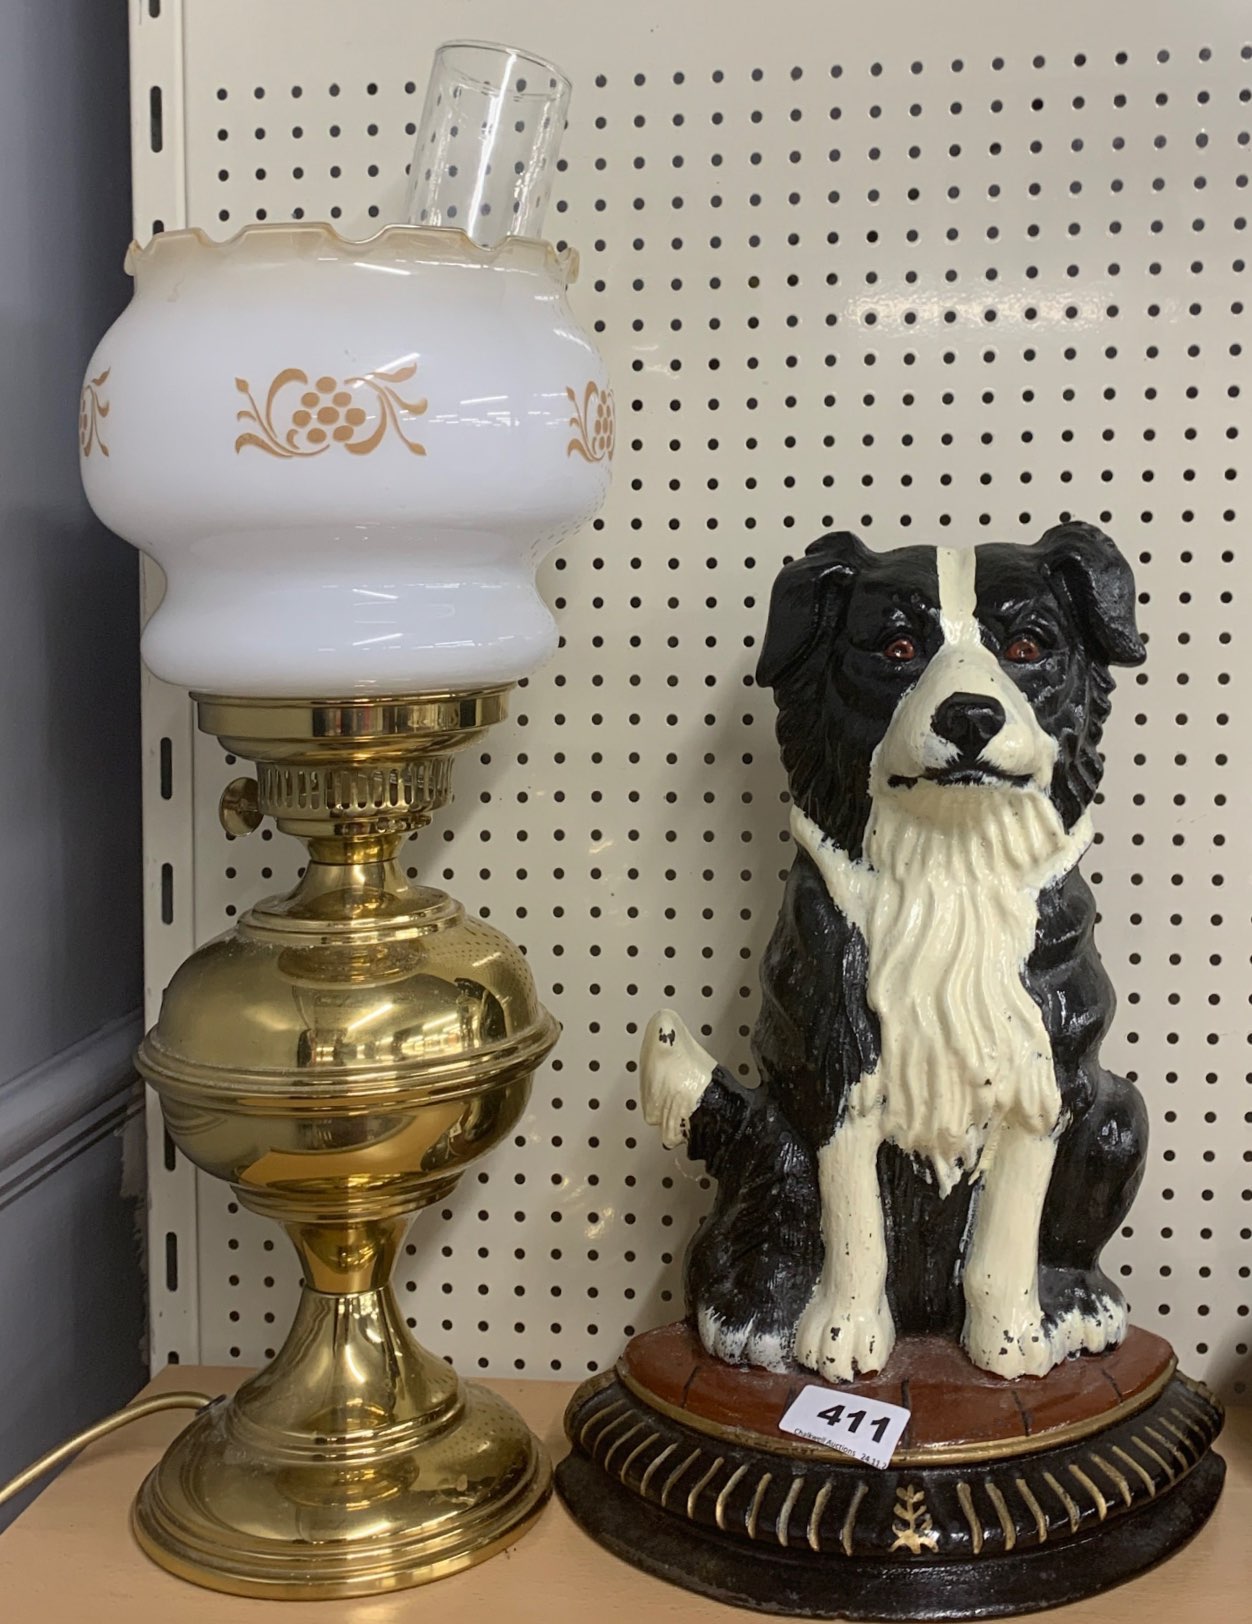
934, 273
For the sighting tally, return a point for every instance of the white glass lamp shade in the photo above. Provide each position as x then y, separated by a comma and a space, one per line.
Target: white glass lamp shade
348, 458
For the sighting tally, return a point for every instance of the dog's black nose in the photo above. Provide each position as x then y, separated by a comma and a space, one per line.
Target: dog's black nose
969, 721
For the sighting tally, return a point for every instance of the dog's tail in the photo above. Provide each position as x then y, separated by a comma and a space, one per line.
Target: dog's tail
675, 1072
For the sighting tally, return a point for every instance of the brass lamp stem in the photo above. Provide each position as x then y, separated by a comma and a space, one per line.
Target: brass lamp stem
347, 1258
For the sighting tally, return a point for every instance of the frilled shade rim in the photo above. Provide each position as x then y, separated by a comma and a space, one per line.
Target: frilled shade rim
395, 244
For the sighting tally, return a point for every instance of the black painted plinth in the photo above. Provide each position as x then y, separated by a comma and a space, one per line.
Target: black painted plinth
816, 1535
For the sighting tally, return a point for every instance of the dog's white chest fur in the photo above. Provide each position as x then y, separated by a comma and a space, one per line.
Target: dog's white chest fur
949, 911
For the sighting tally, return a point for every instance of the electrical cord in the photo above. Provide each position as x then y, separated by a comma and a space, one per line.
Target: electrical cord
100, 1429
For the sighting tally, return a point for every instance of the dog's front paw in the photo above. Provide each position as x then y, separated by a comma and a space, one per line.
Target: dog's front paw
841, 1341
1017, 1345
674, 1072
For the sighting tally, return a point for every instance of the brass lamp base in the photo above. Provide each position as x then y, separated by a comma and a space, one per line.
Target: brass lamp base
340, 1057
271, 1494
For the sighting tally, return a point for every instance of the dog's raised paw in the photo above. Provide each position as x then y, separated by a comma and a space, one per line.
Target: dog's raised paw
841, 1342
674, 1073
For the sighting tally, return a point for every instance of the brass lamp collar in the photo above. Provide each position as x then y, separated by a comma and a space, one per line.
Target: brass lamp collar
351, 776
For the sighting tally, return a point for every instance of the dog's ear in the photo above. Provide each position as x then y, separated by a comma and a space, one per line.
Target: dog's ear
1097, 583
800, 597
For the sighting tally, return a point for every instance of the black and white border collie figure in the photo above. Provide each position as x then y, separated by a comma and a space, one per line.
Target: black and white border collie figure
934, 1145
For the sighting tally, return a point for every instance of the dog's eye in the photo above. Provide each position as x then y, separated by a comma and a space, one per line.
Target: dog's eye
1024, 650
900, 649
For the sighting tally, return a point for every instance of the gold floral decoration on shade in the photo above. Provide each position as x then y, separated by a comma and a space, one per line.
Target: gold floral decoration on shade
327, 413
594, 422
91, 409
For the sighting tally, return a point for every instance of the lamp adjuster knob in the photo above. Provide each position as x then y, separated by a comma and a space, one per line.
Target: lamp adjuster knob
240, 807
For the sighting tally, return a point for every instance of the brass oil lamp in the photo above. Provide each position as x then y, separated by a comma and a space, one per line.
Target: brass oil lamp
348, 458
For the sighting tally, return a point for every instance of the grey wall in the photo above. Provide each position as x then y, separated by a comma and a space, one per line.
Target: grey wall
71, 1305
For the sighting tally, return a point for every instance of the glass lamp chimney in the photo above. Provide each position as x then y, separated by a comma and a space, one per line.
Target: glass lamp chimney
488, 143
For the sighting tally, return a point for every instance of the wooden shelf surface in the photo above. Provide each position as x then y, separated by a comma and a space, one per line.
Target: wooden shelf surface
70, 1556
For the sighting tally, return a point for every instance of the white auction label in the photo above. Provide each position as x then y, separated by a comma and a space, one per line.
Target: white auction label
867, 1428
